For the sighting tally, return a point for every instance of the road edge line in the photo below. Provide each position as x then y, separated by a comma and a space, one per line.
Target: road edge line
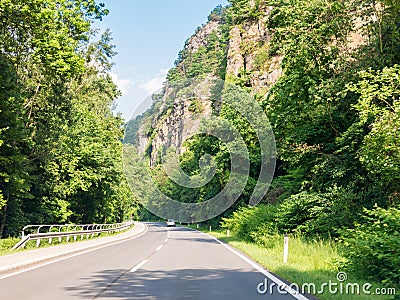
259, 268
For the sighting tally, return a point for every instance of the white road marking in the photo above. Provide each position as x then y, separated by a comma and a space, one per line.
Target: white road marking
139, 265
159, 247
260, 269
72, 255
166, 240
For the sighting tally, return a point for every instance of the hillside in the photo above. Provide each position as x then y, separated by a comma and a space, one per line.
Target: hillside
326, 74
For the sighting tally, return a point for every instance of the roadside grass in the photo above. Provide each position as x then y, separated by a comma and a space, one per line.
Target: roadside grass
314, 263
7, 244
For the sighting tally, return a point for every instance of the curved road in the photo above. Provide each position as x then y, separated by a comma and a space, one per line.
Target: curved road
164, 263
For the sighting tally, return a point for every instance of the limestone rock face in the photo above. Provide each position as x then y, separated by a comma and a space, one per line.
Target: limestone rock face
243, 43
235, 57
181, 110
248, 42
178, 118
199, 39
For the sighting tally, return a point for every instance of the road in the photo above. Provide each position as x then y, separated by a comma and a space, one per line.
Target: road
164, 263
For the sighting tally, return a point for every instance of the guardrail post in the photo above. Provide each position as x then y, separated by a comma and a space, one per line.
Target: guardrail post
83, 229
67, 238
60, 238
50, 239
38, 240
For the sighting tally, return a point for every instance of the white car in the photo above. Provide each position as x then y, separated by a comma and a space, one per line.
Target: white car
171, 222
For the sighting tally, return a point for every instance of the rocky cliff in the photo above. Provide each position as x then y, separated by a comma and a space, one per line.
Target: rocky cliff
223, 49
228, 52
247, 54
178, 116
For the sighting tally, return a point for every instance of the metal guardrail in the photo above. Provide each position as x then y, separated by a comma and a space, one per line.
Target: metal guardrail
50, 232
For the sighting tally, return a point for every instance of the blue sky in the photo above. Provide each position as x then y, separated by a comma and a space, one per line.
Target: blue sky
148, 36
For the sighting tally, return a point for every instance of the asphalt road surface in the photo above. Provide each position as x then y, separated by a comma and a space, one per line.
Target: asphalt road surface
164, 263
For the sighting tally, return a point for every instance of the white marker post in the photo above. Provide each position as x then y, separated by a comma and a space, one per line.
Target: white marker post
228, 233
285, 248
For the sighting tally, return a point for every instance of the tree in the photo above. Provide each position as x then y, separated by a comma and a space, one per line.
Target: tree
379, 109
60, 143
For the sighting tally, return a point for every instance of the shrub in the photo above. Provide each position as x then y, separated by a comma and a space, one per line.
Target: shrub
266, 235
250, 222
7, 244
373, 248
303, 213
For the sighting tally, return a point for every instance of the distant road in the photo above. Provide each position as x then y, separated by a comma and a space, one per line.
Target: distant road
164, 263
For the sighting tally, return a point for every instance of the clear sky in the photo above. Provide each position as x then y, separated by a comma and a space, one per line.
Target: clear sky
148, 36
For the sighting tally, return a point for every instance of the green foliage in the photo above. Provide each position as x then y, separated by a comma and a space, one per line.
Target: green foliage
197, 146
196, 106
242, 80
14, 169
2, 200
379, 109
252, 223
207, 59
298, 213
7, 244
262, 57
306, 115
373, 247
131, 129
316, 214
60, 143
336, 131
380, 23
217, 14
242, 10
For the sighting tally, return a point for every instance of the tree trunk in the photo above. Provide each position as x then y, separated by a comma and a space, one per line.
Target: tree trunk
3, 219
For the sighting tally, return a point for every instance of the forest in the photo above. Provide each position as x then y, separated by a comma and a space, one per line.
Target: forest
335, 114
60, 143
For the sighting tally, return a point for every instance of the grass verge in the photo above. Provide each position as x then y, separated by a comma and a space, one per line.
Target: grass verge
309, 262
